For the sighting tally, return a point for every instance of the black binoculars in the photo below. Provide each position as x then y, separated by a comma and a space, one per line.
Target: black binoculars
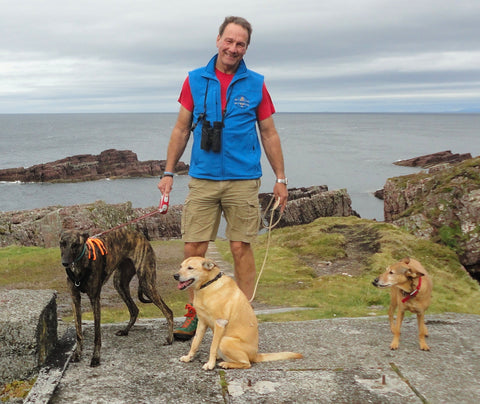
211, 136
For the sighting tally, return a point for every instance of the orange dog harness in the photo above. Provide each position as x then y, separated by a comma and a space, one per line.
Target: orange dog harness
91, 243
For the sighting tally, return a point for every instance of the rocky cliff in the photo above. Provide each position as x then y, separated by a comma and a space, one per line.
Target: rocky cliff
41, 227
442, 204
87, 167
307, 204
429, 160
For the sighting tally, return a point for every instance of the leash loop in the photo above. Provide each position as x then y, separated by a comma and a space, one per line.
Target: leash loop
270, 227
275, 206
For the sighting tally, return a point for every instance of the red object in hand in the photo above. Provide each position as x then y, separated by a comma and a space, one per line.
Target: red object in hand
163, 207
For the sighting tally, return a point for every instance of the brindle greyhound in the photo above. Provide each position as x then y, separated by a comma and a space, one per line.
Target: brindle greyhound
89, 262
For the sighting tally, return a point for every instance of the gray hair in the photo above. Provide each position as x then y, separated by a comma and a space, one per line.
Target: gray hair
239, 21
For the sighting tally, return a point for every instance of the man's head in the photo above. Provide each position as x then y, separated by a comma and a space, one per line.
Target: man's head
239, 21
232, 43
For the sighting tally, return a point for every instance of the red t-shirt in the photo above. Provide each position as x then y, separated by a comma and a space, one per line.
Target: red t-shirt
265, 109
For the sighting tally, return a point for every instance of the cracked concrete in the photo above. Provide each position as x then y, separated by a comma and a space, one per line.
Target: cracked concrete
347, 360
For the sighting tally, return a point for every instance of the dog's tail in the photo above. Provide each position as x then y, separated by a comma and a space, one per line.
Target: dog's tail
142, 297
277, 356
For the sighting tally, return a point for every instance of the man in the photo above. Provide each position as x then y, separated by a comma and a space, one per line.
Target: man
224, 101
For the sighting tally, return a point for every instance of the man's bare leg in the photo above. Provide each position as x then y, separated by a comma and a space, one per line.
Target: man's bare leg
244, 263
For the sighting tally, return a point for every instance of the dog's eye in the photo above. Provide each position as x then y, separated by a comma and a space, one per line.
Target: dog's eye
190, 268
391, 272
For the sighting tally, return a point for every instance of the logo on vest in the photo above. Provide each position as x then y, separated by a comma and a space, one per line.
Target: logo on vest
241, 102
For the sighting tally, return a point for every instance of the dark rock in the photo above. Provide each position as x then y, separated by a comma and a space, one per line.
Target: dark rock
429, 160
379, 194
307, 204
41, 227
87, 167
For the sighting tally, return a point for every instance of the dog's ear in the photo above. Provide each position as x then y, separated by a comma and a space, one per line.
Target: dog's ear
412, 273
208, 264
84, 237
415, 269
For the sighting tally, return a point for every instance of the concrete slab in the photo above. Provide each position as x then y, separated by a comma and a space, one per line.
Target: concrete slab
346, 361
28, 331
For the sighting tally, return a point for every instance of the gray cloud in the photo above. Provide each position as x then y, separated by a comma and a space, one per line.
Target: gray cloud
363, 55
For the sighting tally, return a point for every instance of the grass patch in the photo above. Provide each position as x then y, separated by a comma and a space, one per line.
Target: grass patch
31, 267
289, 277
16, 390
40, 268
358, 249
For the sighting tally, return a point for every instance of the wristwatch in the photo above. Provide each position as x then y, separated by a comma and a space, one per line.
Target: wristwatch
282, 181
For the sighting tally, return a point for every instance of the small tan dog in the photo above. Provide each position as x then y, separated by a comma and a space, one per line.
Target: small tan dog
223, 307
411, 289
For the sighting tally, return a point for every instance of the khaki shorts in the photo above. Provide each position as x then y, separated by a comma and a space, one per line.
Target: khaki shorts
207, 200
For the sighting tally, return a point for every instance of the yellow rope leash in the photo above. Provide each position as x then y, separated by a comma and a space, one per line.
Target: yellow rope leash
270, 227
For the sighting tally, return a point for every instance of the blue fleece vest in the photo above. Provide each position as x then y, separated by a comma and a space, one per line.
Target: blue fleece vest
239, 156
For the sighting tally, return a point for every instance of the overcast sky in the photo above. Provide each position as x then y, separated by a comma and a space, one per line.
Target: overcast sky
316, 55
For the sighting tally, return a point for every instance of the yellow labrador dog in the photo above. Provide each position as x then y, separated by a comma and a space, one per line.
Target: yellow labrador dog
411, 289
223, 307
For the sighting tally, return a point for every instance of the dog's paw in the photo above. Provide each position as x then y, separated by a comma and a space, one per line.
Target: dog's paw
76, 357
393, 346
209, 365
94, 362
121, 333
186, 358
168, 341
424, 347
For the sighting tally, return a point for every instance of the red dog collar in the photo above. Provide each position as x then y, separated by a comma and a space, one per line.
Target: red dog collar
415, 291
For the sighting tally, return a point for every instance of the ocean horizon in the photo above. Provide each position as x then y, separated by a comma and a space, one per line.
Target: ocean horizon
355, 151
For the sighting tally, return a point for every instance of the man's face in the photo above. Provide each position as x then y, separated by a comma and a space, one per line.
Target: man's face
232, 45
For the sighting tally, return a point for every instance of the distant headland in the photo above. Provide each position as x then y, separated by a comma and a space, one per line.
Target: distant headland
110, 163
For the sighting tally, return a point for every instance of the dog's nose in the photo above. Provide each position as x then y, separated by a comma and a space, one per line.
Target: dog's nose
65, 264
176, 277
375, 282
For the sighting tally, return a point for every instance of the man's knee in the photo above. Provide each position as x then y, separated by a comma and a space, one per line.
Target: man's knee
239, 248
195, 249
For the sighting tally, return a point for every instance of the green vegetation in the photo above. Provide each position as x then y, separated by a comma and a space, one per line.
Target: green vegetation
16, 390
435, 199
353, 252
30, 267
289, 277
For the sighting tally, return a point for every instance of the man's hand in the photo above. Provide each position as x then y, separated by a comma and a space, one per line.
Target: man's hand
280, 192
165, 185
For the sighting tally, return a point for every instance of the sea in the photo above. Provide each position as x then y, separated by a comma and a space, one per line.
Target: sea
340, 150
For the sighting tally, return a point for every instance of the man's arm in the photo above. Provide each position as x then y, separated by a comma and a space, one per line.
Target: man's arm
176, 147
273, 151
